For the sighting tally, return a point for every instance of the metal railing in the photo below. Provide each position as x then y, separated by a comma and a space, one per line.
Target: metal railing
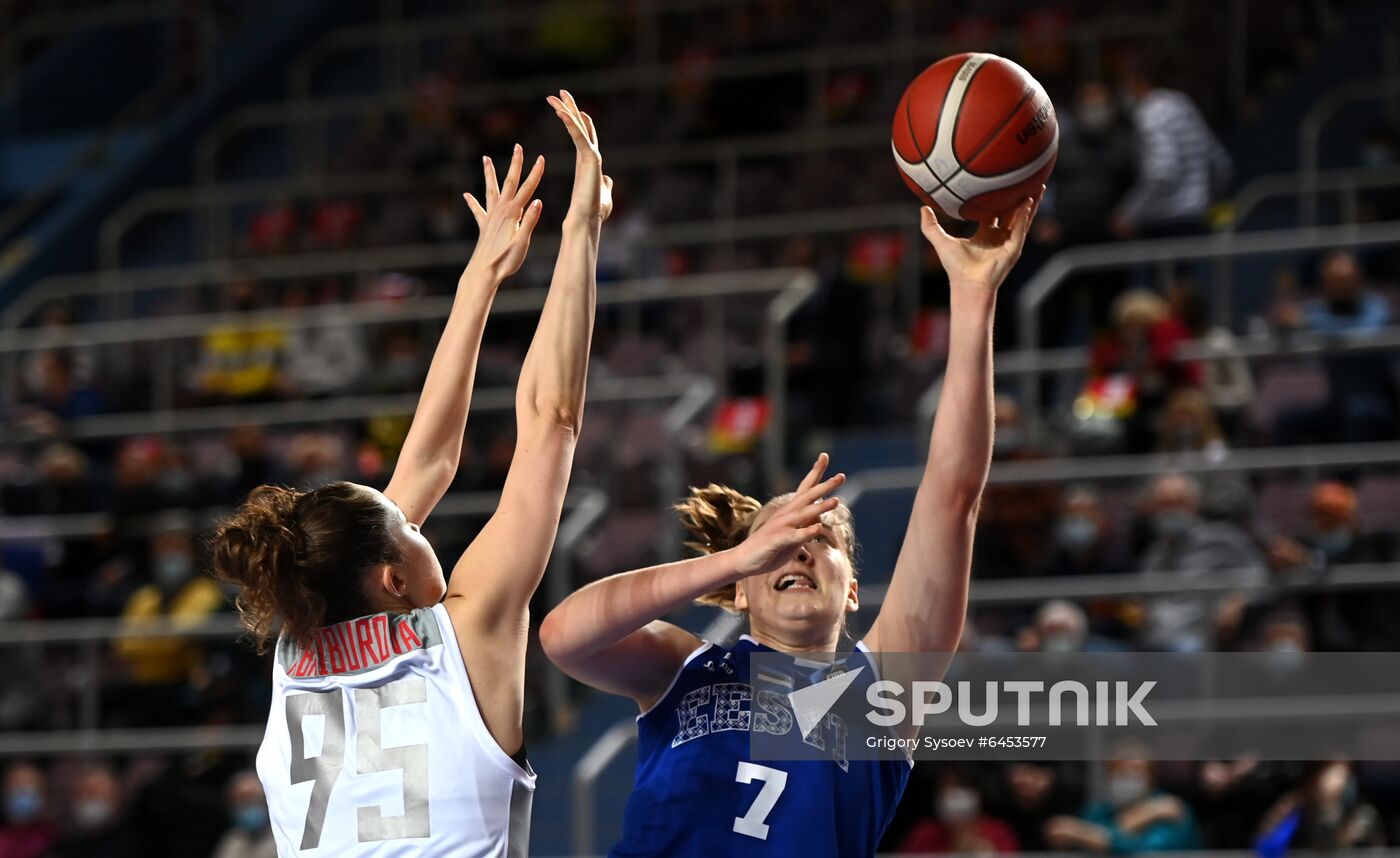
789, 289
399, 41
1053, 274
584, 509
814, 64
214, 202
1075, 359
1315, 122
1347, 183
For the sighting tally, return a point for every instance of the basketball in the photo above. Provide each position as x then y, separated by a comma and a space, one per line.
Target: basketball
974, 135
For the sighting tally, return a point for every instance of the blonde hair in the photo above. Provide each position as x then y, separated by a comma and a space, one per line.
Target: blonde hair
719, 518
1139, 307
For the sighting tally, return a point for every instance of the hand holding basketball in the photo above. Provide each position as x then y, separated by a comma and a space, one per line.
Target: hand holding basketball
592, 197
506, 221
983, 260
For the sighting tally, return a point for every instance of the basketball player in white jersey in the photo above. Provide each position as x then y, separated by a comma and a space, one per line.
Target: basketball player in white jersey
395, 726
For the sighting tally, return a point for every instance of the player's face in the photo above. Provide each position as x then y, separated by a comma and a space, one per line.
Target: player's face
806, 600
418, 567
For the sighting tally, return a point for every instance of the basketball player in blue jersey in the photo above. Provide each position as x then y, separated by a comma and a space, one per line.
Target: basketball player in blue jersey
395, 726
788, 565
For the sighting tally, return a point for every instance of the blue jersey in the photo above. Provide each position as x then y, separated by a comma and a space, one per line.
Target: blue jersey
697, 794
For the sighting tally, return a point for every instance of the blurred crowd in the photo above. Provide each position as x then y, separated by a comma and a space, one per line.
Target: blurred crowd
1138, 159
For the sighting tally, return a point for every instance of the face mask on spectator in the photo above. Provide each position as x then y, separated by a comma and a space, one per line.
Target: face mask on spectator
1333, 543
1059, 642
1095, 119
92, 813
250, 817
1076, 533
1285, 656
1173, 523
1124, 790
23, 804
957, 804
172, 570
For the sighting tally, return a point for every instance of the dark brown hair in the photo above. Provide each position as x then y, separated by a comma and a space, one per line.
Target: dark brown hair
718, 518
298, 557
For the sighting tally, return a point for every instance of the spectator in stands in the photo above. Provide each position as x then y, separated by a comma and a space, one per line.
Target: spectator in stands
1342, 620
1135, 817
1333, 536
273, 230
27, 832
1189, 426
1326, 813
1195, 550
1141, 351
1181, 165
1093, 171
56, 324
399, 363
61, 398
1036, 793
250, 835
241, 362
316, 459
14, 596
1226, 377
1013, 529
959, 823
95, 829
1362, 398
1083, 541
253, 464
147, 478
1062, 626
177, 594
1231, 796
323, 361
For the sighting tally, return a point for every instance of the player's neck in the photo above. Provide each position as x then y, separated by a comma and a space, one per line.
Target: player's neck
796, 641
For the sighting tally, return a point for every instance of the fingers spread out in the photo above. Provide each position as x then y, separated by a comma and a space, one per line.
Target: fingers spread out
477, 211
493, 187
532, 181
813, 494
531, 217
815, 474
512, 182
809, 515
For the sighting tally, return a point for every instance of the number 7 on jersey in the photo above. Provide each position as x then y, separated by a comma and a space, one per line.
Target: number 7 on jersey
774, 780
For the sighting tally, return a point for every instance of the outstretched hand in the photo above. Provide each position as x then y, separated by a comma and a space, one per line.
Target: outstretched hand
508, 218
592, 199
986, 258
792, 525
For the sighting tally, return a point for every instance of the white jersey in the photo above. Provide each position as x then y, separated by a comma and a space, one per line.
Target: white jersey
375, 747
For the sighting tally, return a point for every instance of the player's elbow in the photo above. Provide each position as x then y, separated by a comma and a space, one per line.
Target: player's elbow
956, 497
554, 639
554, 412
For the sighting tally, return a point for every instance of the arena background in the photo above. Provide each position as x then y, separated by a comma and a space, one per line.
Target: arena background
229, 232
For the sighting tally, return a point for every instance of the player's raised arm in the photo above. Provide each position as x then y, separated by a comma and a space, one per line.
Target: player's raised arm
926, 603
428, 461
609, 634
489, 592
